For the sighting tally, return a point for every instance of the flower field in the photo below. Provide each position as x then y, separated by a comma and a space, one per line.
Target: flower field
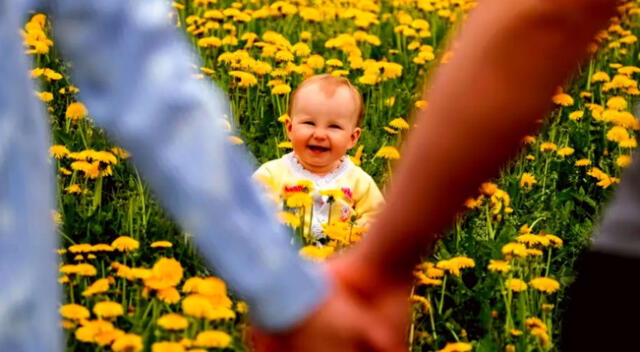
133, 281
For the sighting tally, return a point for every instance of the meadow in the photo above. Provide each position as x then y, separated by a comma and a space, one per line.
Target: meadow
132, 279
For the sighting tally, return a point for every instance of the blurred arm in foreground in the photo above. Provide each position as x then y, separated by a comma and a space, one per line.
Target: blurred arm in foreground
510, 57
134, 72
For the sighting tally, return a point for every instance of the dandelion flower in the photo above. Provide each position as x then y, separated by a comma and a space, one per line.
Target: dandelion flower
76, 111
166, 272
421, 104
576, 115
281, 89
527, 180
127, 343
565, 151
545, 284
168, 295
173, 322
99, 286
456, 347
74, 312
617, 103
58, 151
562, 99
125, 244
213, 339
161, 244
388, 152
548, 147
45, 96
513, 249
454, 265
583, 162
399, 123
108, 309
623, 160
316, 253
167, 346
600, 77
499, 266
516, 285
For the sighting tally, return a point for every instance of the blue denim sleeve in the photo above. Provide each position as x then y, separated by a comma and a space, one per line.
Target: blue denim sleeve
29, 294
134, 73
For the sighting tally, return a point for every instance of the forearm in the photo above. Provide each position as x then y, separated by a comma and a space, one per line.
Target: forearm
134, 73
508, 60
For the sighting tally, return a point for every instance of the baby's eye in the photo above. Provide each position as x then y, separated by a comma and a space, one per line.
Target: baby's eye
311, 123
335, 126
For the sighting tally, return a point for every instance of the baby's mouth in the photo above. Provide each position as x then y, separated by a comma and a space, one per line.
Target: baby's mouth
318, 149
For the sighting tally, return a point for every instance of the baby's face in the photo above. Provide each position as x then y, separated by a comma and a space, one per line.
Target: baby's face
322, 129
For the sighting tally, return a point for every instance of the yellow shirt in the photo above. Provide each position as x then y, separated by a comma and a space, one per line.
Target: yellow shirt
362, 197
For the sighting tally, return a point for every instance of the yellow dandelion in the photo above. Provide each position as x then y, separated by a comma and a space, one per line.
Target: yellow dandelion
533, 240
173, 321
74, 312
454, 265
548, 147
168, 295
617, 103
583, 162
76, 111
58, 151
617, 134
514, 249
399, 123
281, 89
623, 160
108, 309
166, 273
99, 286
316, 253
285, 145
167, 346
600, 77
127, 343
562, 99
388, 152
628, 143
499, 266
516, 285
527, 180
421, 104
125, 244
456, 347
545, 284
213, 339
576, 115
565, 151
161, 244
45, 96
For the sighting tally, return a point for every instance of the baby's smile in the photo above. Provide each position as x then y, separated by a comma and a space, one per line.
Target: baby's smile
318, 149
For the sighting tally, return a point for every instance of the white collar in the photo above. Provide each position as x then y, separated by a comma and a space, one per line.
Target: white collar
320, 180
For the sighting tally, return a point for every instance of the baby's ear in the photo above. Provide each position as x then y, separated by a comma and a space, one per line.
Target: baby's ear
355, 135
288, 126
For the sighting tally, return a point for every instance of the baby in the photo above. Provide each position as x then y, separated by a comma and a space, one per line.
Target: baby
325, 115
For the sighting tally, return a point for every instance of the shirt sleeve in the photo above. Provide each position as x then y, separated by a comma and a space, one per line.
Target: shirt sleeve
368, 205
135, 72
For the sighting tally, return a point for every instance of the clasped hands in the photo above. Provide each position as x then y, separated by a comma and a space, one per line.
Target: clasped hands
362, 313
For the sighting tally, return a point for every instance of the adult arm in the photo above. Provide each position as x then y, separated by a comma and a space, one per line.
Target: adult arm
508, 59
134, 73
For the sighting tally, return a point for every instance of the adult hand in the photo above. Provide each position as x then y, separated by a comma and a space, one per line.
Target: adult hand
346, 322
386, 298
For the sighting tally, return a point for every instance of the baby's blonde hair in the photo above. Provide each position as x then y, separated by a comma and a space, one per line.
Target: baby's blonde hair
329, 84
